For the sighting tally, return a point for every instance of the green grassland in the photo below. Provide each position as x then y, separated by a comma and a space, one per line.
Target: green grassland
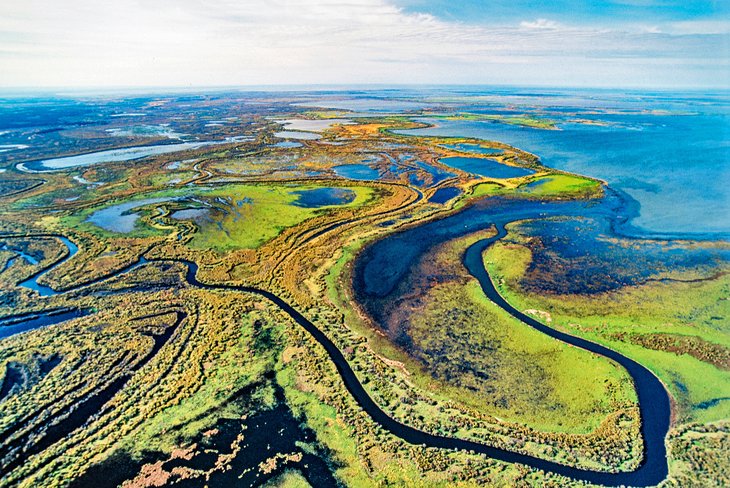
551, 186
271, 212
241, 216
367, 455
290, 479
505, 367
672, 327
467, 332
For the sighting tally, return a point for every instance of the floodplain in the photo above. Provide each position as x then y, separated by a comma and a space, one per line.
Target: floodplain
285, 292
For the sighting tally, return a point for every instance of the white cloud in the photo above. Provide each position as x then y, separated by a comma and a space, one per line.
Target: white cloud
706, 27
230, 42
540, 24
651, 29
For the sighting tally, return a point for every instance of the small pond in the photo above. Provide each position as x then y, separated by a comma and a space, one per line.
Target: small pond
356, 172
119, 218
443, 195
323, 197
288, 144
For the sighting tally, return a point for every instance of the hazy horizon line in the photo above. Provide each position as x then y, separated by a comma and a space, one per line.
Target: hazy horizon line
323, 87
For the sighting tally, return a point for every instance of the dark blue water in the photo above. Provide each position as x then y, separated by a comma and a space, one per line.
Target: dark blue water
32, 282
443, 195
486, 167
385, 263
578, 256
322, 197
653, 399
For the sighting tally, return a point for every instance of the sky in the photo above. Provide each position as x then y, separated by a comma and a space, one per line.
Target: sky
190, 43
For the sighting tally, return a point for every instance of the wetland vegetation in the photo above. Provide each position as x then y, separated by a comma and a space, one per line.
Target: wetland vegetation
323, 298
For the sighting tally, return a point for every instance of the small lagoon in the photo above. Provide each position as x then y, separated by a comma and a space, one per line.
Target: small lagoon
486, 167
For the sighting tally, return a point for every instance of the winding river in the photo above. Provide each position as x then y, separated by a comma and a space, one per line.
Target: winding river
653, 398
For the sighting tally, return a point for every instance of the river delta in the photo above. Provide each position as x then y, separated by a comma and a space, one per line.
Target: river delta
431, 288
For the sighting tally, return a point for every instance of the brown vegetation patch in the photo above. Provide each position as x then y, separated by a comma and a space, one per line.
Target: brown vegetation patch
708, 352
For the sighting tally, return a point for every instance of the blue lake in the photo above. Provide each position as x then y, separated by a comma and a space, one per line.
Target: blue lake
486, 167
